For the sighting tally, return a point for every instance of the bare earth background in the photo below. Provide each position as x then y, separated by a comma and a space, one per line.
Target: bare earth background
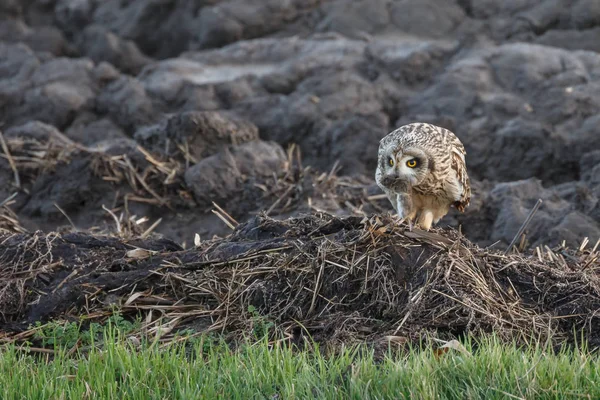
216, 91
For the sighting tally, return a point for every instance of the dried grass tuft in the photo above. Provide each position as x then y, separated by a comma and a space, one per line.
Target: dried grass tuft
337, 279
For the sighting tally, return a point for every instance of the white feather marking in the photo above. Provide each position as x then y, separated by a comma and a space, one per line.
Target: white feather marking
399, 208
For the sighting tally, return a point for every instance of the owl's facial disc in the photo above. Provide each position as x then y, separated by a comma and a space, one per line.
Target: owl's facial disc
409, 166
402, 168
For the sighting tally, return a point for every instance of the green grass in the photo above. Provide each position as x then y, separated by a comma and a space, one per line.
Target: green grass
207, 370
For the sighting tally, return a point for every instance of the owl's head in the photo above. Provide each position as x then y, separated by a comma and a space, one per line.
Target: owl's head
402, 166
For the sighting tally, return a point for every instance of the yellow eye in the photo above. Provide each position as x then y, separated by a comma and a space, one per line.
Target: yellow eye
411, 163
391, 162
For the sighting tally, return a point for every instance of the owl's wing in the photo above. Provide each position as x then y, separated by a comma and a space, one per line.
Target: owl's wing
459, 166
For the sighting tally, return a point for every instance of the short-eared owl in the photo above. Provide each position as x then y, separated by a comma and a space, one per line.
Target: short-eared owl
422, 170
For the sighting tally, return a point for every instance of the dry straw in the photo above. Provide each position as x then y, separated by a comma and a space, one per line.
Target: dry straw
335, 279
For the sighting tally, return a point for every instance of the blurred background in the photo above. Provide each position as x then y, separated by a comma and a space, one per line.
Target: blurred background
148, 111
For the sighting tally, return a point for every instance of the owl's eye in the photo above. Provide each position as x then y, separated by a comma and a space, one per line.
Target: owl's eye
391, 161
412, 163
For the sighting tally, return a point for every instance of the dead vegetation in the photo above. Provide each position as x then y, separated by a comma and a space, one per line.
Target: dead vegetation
138, 176
337, 279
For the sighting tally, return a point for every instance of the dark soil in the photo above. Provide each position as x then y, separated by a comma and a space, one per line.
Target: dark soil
336, 279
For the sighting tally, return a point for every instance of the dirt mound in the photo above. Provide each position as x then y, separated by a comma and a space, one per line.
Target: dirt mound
333, 278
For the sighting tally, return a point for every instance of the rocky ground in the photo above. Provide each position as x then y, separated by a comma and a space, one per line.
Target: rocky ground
231, 100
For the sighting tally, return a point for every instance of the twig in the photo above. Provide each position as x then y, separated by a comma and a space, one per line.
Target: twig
287, 192
66, 216
589, 263
377, 197
428, 236
316, 290
152, 227
299, 158
112, 214
144, 184
11, 161
584, 243
72, 274
512, 396
225, 214
524, 226
8, 199
34, 349
222, 218
595, 246
333, 170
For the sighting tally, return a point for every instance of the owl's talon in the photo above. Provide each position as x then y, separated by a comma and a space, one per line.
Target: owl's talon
410, 225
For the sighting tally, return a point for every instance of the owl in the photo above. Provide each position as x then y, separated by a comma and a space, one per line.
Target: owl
421, 168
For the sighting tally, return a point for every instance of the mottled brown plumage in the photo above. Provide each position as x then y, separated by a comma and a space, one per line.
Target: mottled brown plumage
421, 168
